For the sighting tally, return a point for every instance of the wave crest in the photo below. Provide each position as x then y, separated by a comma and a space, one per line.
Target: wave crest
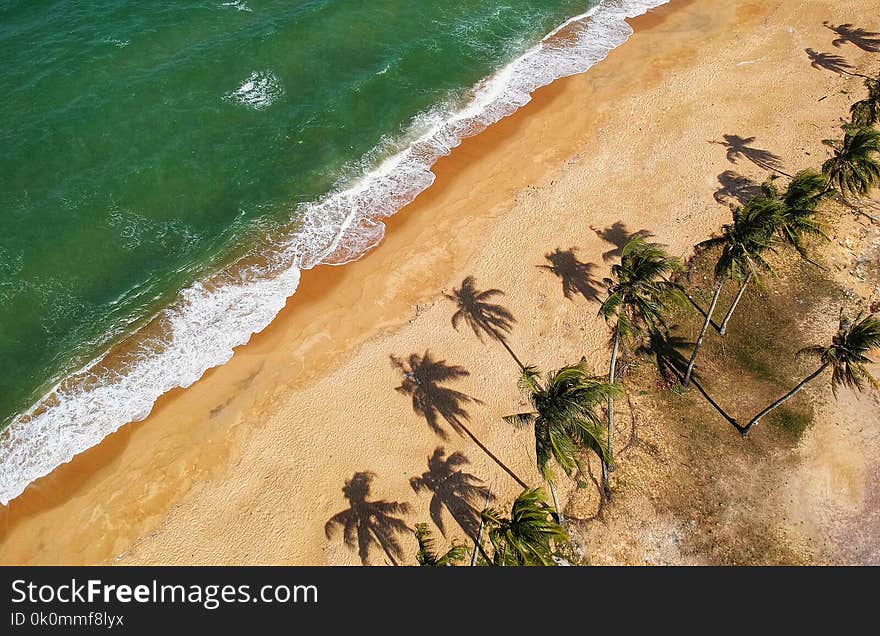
209, 320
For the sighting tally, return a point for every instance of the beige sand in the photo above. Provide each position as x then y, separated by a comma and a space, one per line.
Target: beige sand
247, 465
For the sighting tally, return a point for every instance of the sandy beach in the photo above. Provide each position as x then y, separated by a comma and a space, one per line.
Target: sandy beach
247, 465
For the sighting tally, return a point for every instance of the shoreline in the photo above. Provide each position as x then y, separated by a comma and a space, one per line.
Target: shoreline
136, 496
209, 319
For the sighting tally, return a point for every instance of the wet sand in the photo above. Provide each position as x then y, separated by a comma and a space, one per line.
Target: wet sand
247, 465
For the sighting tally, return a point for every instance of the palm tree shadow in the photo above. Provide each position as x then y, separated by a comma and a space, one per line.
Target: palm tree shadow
576, 277
736, 186
603, 493
365, 523
484, 317
828, 62
618, 235
862, 38
461, 493
668, 351
740, 148
422, 376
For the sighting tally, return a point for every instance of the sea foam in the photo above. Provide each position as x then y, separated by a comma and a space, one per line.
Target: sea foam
208, 320
258, 91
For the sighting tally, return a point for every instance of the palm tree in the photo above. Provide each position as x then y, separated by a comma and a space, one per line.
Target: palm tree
565, 419
481, 315
528, 536
422, 376
855, 166
799, 219
637, 293
866, 112
428, 555
743, 244
367, 522
846, 356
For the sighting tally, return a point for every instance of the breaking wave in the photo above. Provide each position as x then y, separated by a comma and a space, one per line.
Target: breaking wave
208, 320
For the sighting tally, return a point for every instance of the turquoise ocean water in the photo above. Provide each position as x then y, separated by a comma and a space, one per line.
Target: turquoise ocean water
181, 162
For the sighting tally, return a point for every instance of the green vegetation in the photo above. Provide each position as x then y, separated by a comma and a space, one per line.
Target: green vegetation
638, 292
846, 356
866, 112
528, 536
566, 419
743, 244
566, 414
855, 167
428, 555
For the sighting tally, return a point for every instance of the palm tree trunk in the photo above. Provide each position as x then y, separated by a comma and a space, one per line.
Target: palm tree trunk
555, 496
492, 456
696, 306
690, 368
608, 466
478, 543
814, 263
784, 398
872, 218
705, 394
736, 300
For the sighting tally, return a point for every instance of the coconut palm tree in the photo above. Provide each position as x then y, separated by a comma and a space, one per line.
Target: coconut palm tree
743, 244
566, 419
637, 295
855, 167
528, 536
800, 204
846, 356
866, 112
367, 522
428, 555
481, 315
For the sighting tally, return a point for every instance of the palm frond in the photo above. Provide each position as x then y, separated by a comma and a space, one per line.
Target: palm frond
847, 355
520, 420
528, 536
854, 167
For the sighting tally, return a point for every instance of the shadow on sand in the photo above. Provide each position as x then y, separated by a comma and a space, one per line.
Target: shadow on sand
735, 186
461, 493
483, 316
618, 235
741, 148
576, 277
848, 34
830, 62
672, 363
422, 378
365, 523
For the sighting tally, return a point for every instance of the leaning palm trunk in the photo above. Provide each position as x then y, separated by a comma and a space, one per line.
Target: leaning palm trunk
739, 295
608, 464
492, 456
690, 368
784, 398
478, 542
555, 496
